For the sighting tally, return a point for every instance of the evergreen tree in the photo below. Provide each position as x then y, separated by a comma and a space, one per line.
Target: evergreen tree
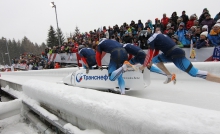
62, 38
77, 32
52, 39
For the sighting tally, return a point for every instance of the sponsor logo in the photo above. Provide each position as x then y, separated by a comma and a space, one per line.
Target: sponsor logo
81, 76
131, 77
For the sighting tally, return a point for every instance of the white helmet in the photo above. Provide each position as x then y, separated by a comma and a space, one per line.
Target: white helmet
80, 47
102, 39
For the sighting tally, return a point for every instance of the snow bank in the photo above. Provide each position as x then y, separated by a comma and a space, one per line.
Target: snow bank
10, 108
76, 130
118, 114
15, 125
30, 102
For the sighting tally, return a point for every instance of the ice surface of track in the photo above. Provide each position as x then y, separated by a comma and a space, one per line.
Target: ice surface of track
188, 90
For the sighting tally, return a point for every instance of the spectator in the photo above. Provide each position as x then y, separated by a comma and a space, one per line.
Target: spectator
150, 24
190, 23
214, 35
140, 24
106, 33
110, 31
46, 50
174, 17
188, 37
135, 41
90, 44
158, 25
196, 23
205, 28
170, 32
181, 32
217, 17
121, 32
208, 21
168, 27
179, 20
50, 50
192, 30
202, 42
175, 39
127, 38
184, 17
66, 48
146, 26
203, 15
164, 20
173, 24
132, 24
196, 35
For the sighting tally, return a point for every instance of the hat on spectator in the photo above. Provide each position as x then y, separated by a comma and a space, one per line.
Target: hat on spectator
217, 24
204, 33
182, 24
205, 26
218, 21
194, 27
175, 37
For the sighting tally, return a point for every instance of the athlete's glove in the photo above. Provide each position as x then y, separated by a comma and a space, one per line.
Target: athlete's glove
101, 68
87, 70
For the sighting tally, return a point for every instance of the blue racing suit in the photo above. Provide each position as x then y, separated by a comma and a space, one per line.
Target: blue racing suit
117, 58
171, 53
88, 57
139, 57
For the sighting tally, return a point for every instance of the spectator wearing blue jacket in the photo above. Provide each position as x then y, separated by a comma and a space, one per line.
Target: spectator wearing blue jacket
214, 35
181, 32
202, 42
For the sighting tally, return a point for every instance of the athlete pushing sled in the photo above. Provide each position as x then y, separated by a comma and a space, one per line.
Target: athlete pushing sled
172, 53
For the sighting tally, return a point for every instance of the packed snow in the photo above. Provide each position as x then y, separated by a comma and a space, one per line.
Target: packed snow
12, 122
123, 114
10, 108
16, 125
190, 106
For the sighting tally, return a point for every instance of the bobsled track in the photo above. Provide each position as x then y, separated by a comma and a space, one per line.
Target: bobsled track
192, 106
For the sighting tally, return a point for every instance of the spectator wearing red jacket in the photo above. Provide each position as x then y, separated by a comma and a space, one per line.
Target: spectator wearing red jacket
190, 23
164, 20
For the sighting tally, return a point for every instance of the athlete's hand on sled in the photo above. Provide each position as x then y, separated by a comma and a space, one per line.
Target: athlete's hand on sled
101, 68
142, 67
87, 70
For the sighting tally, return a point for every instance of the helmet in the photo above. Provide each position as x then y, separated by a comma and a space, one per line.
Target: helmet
80, 47
101, 39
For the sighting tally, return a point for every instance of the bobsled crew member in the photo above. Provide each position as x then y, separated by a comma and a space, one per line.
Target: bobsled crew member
139, 57
172, 53
118, 64
88, 57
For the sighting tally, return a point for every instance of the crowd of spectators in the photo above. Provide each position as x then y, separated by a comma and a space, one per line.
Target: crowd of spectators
203, 31
29, 61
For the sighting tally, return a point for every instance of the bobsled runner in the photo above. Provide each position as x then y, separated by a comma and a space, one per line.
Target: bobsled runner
99, 79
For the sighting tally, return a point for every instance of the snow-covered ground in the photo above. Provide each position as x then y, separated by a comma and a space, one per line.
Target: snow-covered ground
16, 125
190, 106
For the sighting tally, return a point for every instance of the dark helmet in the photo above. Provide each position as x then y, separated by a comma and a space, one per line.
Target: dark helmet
80, 47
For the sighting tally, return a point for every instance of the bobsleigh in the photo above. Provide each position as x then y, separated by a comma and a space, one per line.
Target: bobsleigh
99, 79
